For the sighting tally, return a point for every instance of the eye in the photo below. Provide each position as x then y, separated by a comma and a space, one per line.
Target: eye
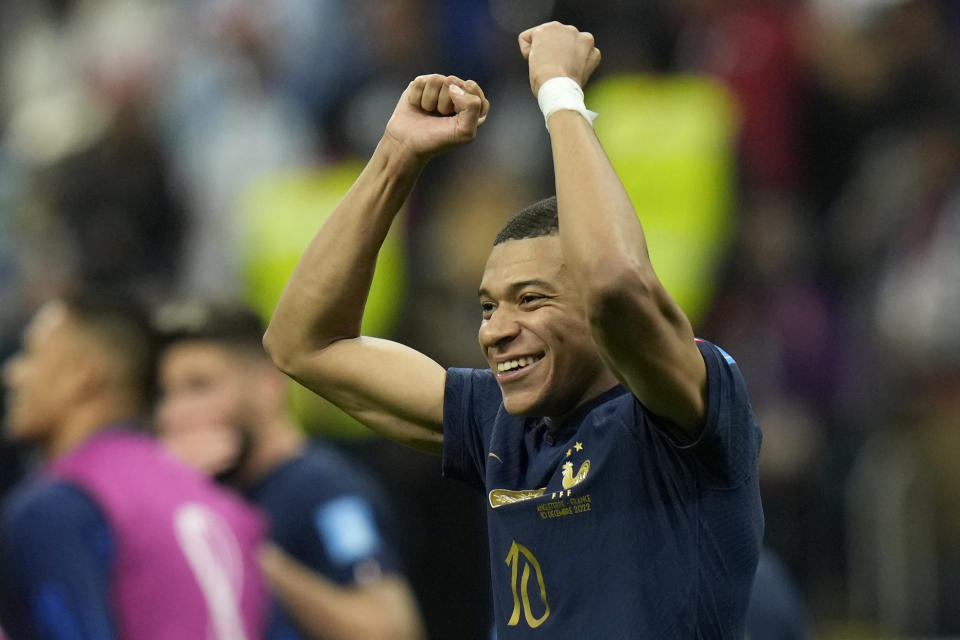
487, 308
530, 298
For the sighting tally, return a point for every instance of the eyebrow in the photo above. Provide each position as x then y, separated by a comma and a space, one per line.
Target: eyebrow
517, 286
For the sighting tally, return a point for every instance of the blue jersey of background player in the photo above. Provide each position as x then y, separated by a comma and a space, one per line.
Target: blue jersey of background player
223, 409
654, 519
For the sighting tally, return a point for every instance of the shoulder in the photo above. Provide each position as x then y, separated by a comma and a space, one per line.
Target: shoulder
472, 393
477, 381
729, 445
46, 501
318, 473
721, 365
40, 508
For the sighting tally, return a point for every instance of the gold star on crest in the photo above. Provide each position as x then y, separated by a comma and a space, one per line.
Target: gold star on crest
569, 452
578, 446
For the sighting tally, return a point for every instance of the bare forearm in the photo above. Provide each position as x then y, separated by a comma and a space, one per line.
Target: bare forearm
384, 610
324, 299
601, 235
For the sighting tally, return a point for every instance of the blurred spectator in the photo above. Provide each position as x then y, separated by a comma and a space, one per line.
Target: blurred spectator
226, 124
113, 538
87, 143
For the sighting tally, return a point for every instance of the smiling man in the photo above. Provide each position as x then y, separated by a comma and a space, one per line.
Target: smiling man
618, 454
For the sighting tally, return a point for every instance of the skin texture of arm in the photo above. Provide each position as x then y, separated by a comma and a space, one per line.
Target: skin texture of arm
383, 609
642, 334
314, 335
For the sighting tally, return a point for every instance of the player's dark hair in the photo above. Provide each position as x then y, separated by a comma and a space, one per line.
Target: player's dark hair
231, 324
119, 322
537, 220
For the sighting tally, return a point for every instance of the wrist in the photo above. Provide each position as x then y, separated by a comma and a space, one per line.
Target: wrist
396, 156
562, 93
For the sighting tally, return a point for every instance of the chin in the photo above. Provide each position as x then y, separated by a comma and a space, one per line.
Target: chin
519, 407
526, 407
22, 431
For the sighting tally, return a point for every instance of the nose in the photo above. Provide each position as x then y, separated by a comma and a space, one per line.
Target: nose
500, 328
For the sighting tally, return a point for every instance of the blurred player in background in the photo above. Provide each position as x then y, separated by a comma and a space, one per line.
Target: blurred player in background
114, 538
224, 410
617, 453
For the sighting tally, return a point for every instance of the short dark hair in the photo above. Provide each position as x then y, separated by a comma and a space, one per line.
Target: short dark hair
228, 323
537, 220
119, 322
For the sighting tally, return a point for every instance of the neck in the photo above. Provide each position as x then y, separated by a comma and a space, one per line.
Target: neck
274, 443
82, 423
558, 422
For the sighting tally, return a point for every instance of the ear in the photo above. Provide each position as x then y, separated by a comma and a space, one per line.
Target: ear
89, 375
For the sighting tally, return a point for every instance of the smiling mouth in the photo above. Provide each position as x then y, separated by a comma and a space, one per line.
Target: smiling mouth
511, 366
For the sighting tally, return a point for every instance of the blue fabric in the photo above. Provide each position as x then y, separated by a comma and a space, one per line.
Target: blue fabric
328, 516
55, 563
632, 535
776, 610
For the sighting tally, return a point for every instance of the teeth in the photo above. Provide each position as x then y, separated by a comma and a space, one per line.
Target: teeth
514, 364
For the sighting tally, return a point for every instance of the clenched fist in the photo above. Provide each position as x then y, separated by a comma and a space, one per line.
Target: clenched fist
554, 50
437, 113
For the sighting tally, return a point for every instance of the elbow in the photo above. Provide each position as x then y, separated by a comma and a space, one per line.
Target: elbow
634, 294
618, 293
282, 355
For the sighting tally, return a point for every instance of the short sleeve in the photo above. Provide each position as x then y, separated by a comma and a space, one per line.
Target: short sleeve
330, 516
471, 401
352, 539
57, 551
729, 446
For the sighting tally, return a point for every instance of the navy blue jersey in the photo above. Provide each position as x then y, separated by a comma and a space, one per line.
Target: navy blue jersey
325, 514
608, 527
776, 610
55, 565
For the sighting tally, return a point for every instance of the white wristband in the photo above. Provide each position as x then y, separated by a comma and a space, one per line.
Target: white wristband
561, 93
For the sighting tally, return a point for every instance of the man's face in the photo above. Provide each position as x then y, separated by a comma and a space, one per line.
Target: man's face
44, 379
205, 404
534, 332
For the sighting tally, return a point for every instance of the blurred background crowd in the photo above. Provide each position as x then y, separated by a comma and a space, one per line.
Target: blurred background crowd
796, 164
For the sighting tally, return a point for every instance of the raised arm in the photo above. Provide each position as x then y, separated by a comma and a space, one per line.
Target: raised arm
642, 334
314, 335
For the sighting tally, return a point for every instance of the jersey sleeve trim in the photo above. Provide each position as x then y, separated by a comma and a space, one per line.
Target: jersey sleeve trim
729, 445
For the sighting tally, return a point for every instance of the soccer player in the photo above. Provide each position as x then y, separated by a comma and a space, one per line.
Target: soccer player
617, 454
114, 538
223, 407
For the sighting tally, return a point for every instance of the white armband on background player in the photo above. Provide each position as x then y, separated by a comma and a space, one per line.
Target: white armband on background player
561, 93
